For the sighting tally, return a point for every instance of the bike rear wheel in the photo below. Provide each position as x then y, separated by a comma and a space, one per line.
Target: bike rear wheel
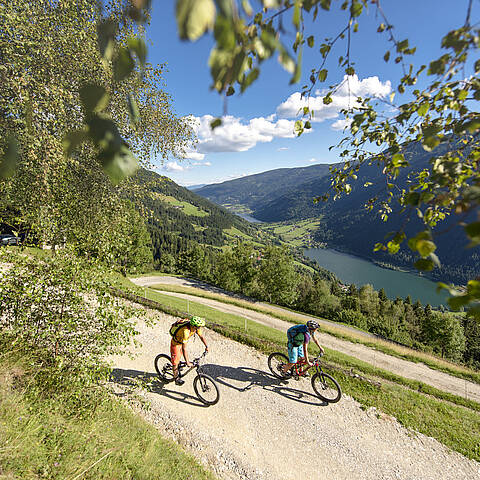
326, 387
276, 361
206, 389
163, 367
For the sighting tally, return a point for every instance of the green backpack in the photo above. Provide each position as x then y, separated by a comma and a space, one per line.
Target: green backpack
298, 339
175, 327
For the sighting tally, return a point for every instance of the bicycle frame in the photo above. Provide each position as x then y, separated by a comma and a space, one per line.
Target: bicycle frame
195, 365
297, 369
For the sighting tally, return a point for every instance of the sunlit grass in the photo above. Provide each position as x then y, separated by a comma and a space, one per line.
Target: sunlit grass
42, 439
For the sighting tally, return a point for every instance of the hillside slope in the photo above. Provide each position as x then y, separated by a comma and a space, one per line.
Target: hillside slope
345, 224
179, 219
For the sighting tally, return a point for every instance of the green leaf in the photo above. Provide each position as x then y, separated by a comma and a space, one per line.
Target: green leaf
325, 4
412, 198
73, 139
298, 69
311, 41
118, 163
429, 143
123, 65
250, 78
322, 75
356, 8
423, 109
473, 232
230, 91
94, 98
106, 31
138, 46
327, 99
424, 264
296, 14
224, 33
425, 247
393, 247
10, 158
287, 62
133, 109
215, 123
195, 17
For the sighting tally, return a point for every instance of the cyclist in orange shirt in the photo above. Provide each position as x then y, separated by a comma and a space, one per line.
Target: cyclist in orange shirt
178, 345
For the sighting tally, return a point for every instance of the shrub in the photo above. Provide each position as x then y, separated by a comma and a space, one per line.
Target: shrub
61, 306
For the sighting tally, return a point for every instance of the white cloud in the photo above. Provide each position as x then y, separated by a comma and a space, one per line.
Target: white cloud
193, 155
237, 135
175, 167
341, 123
282, 148
344, 97
201, 164
312, 160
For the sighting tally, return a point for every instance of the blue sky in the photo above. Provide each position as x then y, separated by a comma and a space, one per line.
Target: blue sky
257, 134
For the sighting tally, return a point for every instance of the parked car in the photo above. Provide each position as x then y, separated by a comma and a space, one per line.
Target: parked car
8, 239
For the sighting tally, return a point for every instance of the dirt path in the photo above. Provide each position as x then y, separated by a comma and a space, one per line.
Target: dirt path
414, 371
265, 429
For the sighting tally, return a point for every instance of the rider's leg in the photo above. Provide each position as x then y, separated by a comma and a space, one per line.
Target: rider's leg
176, 355
292, 358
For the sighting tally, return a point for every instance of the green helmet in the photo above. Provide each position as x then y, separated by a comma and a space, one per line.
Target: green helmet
197, 322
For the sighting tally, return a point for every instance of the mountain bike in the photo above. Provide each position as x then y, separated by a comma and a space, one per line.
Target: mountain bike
204, 385
323, 384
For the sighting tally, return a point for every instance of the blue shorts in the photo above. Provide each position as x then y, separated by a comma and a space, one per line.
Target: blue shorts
294, 353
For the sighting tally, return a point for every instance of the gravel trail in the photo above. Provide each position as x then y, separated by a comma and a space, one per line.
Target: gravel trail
263, 428
414, 371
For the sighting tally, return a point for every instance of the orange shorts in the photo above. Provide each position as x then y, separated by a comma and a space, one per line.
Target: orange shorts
176, 352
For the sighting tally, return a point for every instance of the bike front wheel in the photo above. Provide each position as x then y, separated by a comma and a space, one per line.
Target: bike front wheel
276, 362
326, 387
163, 367
206, 389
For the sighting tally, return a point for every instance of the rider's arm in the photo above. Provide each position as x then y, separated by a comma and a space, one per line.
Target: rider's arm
305, 352
202, 338
318, 345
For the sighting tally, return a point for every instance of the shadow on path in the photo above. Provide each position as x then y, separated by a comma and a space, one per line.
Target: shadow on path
245, 378
240, 379
150, 381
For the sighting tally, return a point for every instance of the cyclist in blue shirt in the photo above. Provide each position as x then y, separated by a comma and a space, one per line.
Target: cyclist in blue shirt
298, 338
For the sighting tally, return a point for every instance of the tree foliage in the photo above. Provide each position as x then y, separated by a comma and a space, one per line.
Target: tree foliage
77, 117
62, 306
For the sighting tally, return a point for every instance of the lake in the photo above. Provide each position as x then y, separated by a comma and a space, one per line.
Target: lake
248, 218
350, 269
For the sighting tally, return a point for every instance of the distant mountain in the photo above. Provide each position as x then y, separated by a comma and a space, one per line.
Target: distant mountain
254, 191
287, 195
196, 187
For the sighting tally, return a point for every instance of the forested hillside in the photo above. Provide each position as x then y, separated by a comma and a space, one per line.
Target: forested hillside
180, 221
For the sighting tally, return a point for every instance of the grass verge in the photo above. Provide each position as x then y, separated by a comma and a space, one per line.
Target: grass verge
452, 420
41, 438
